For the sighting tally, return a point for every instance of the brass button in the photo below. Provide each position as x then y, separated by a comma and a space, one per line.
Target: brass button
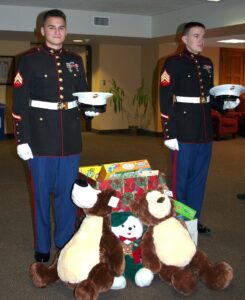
60, 79
61, 88
59, 71
61, 97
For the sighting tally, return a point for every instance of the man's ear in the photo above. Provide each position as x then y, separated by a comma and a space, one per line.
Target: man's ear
42, 31
183, 38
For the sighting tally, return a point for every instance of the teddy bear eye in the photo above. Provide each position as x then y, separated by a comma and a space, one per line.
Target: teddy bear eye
134, 226
122, 225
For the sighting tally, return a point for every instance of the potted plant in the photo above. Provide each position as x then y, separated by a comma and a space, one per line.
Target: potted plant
118, 96
140, 103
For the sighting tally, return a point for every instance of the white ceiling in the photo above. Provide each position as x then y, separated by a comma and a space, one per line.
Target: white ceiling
133, 7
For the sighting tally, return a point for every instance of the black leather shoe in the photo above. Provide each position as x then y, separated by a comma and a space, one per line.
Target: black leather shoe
241, 196
203, 229
42, 257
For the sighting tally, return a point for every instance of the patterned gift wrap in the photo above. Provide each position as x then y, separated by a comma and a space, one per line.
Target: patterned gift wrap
129, 188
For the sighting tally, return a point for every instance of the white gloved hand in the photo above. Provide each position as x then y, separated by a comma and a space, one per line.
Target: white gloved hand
172, 144
231, 104
24, 151
91, 113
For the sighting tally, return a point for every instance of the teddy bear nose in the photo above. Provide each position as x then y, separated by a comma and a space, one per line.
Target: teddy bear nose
130, 228
160, 200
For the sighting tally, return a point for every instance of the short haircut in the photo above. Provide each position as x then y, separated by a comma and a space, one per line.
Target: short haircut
54, 13
190, 25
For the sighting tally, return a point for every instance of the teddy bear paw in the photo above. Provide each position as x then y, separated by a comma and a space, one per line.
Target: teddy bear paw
218, 277
184, 281
118, 283
86, 290
143, 277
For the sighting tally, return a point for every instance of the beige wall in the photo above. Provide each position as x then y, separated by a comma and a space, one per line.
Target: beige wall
10, 48
122, 63
126, 64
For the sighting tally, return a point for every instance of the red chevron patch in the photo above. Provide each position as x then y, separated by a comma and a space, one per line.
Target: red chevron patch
18, 80
165, 78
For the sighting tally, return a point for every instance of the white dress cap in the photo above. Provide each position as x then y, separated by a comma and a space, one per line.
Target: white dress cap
92, 98
227, 90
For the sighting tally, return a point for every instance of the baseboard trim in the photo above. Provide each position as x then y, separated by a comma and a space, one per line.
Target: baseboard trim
128, 132
7, 136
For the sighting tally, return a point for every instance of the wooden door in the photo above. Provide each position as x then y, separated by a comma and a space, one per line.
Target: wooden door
232, 66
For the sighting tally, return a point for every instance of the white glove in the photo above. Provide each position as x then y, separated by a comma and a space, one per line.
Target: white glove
91, 113
172, 144
24, 151
231, 104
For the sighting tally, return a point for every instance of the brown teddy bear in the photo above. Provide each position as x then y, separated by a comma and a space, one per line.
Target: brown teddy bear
168, 250
94, 256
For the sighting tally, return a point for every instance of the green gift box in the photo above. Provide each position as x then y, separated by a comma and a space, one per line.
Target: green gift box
184, 210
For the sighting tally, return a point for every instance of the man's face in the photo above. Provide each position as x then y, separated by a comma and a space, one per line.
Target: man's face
54, 30
194, 39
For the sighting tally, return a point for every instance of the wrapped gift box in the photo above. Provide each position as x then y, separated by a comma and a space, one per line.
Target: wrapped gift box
128, 186
91, 171
183, 210
187, 214
115, 170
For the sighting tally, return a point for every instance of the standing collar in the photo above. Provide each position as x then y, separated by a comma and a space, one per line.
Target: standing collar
53, 51
190, 54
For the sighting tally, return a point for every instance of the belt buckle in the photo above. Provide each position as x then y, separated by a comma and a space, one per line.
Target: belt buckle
203, 99
62, 105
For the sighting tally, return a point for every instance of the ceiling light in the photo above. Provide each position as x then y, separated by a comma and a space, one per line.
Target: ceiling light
78, 41
213, 0
232, 41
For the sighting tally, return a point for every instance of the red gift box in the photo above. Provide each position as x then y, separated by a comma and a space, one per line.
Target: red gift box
129, 189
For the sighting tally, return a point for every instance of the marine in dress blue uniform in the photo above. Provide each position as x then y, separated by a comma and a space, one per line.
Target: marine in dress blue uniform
185, 105
46, 117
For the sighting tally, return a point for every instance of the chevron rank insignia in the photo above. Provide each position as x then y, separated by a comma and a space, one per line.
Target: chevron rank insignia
165, 78
18, 80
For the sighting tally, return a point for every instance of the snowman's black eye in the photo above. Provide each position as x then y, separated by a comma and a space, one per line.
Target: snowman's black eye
123, 225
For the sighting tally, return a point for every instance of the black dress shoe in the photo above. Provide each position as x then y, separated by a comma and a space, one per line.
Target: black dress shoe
241, 196
203, 229
42, 257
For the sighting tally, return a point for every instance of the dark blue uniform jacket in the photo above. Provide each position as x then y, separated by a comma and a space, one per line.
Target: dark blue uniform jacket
187, 75
48, 75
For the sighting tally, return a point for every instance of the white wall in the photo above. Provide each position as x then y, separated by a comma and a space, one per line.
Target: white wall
213, 15
79, 22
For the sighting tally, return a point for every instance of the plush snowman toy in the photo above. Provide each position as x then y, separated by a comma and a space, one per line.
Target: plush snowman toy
129, 230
